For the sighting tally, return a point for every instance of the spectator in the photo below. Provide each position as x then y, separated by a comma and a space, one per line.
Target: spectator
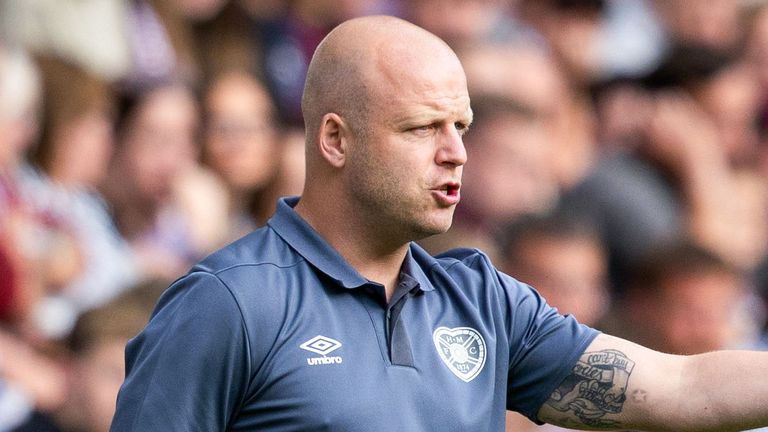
675, 182
531, 137
572, 29
79, 121
156, 189
38, 256
241, 145
563, 259
686, 300
226, 40
511, 158
19, 94
41, 252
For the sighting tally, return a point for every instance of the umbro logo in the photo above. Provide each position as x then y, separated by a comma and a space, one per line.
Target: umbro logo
462, 349
322, 345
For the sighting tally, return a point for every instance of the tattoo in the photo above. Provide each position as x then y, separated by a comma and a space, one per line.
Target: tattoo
596, 387
639, 396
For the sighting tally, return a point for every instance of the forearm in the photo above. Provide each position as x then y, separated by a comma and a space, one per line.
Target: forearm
724, 391
642, 389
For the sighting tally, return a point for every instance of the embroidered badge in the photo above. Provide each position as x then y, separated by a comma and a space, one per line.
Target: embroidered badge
462, 349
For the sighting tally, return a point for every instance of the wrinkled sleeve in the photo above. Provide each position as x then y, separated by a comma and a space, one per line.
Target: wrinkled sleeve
544, 347
188, 370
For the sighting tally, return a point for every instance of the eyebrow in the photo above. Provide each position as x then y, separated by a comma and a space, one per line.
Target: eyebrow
469, 115
432, 116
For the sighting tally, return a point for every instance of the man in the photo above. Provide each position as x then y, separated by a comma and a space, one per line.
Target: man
686, 300
564, 258
330, 318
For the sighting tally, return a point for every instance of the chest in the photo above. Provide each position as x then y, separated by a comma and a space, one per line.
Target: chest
347, 362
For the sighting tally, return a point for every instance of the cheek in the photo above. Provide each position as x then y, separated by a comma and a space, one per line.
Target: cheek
375, 179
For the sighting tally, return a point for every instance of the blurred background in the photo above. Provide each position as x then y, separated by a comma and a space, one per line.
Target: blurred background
618, 163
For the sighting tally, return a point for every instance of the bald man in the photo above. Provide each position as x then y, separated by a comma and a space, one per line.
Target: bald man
330, 318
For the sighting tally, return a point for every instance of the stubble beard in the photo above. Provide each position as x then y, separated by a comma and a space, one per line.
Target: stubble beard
386, 208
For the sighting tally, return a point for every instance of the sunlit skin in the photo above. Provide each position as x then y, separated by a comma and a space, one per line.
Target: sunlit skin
407, 173
394, 175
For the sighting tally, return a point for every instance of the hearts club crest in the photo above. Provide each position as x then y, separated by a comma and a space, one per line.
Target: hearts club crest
462, 349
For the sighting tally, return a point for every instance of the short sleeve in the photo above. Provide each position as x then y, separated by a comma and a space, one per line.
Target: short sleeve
188, 369
544, 347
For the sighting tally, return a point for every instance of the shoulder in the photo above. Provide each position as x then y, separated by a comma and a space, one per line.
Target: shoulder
262, 248
259, 270
248, 280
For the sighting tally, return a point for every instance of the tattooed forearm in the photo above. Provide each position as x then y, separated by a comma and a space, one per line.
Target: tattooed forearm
596, 387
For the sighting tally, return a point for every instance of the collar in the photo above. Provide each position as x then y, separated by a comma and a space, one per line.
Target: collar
309, 244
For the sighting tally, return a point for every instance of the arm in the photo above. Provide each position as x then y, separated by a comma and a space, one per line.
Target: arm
617, 384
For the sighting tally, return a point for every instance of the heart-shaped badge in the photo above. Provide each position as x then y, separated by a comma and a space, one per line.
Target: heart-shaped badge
462, 349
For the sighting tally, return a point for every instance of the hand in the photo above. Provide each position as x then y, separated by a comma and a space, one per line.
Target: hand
681, 135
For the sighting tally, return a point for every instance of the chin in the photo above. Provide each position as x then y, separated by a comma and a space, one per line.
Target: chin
428, 230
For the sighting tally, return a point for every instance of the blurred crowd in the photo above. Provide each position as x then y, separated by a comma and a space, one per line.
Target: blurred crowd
618, 163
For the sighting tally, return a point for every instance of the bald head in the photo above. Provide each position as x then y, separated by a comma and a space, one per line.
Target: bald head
363, 60
385, 107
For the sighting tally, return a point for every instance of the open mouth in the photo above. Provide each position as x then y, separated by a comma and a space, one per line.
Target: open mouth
452, 189
447, 194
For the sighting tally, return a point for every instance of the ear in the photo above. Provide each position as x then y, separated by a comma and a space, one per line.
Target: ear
333, 139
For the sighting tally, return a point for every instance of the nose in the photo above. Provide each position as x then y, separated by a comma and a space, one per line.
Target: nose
450, 147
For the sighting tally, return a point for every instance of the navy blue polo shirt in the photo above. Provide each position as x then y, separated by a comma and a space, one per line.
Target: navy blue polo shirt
277, 332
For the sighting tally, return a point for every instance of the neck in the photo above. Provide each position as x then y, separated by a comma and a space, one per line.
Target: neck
369, 252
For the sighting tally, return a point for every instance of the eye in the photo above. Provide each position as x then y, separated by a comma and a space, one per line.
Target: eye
423, 130
463, 128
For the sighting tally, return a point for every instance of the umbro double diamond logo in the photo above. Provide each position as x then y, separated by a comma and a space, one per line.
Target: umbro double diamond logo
322, 345
462, 349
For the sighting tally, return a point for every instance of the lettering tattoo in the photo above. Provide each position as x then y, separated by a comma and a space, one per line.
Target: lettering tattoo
596, 387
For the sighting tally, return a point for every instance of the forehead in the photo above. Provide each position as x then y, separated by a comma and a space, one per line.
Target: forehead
428, 107
412, 87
